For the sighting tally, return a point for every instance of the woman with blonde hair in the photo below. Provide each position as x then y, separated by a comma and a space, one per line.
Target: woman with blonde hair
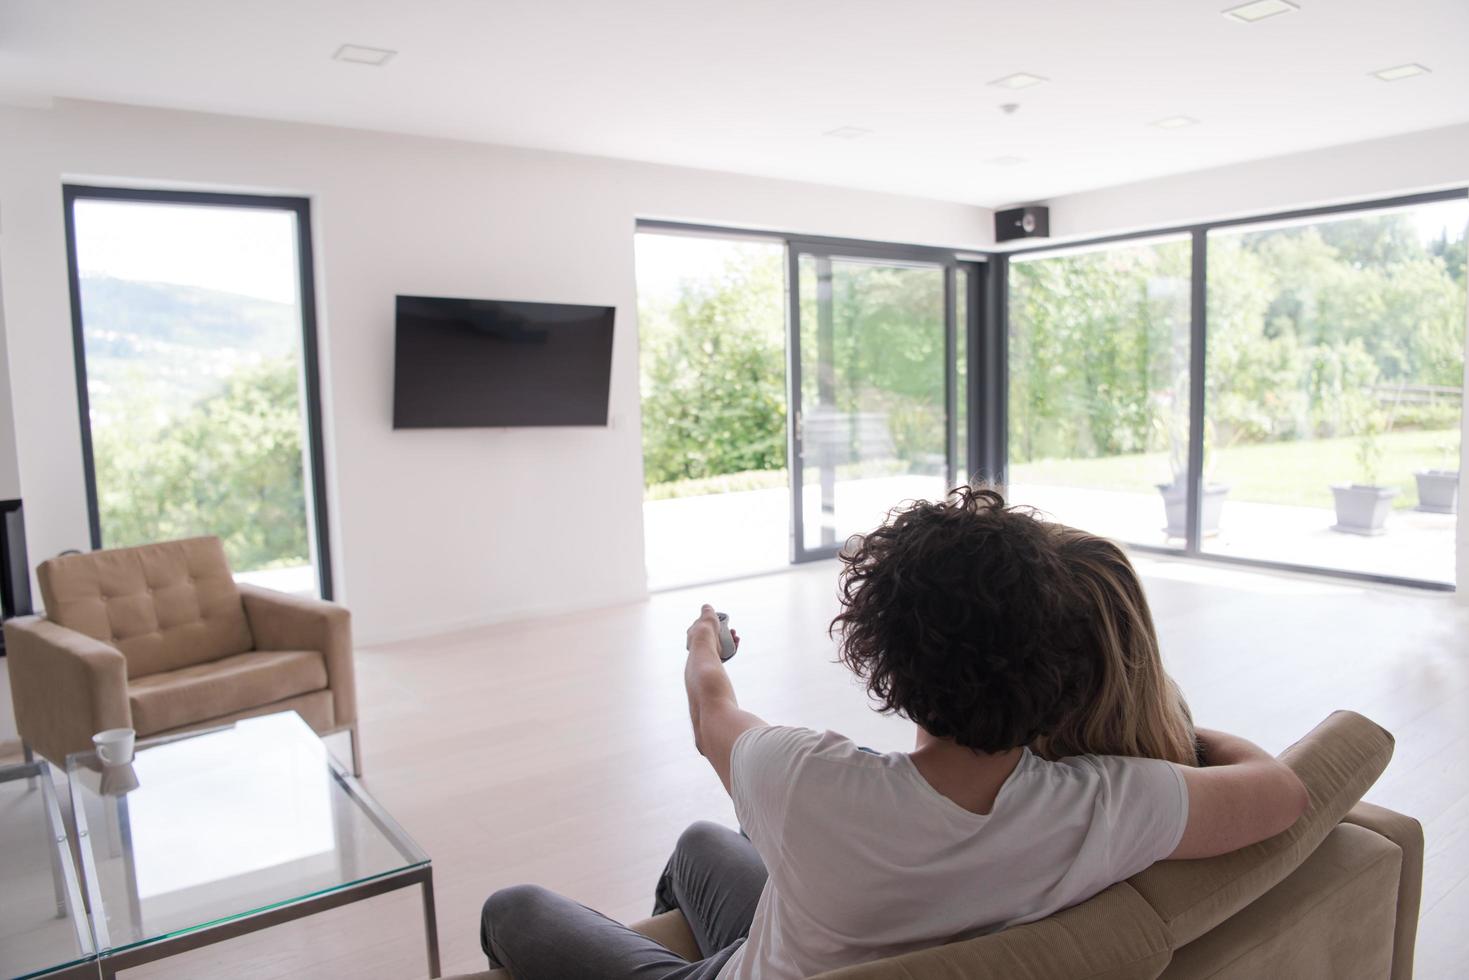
1135, 708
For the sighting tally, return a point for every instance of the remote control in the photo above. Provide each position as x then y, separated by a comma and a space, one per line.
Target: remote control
726, 642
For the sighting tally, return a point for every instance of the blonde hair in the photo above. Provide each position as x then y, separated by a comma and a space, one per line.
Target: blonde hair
1135, 708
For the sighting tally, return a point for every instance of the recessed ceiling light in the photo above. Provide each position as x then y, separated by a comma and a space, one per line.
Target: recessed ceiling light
1021, 79
1399, 72
359, 55
1175, 122
1005, 161
1249, 13
848, 132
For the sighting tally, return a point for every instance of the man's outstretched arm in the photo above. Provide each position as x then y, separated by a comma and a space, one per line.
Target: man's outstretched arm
715, 713
1243, 796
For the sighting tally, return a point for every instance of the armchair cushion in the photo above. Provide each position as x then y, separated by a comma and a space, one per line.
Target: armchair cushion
164, 606
176, 698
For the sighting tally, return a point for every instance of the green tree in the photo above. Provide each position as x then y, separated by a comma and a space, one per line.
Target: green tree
230, 465
713, 374
1098, 352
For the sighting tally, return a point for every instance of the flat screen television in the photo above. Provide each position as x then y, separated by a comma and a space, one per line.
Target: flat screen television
471, 362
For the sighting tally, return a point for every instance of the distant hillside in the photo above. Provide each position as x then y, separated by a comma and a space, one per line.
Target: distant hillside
117, 311
180, 342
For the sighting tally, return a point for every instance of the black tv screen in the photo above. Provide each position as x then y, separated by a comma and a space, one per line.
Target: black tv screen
474, 362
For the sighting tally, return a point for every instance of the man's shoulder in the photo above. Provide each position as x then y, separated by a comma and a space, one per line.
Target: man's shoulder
785, 739
785, 746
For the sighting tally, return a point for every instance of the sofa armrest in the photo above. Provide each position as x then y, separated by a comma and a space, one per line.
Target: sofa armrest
286, 622
1407, 833
1338, 761
66, 686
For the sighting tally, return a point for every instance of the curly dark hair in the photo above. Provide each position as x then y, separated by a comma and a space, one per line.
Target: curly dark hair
959, 615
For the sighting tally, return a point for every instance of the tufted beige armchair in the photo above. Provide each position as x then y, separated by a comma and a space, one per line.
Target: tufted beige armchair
159, 638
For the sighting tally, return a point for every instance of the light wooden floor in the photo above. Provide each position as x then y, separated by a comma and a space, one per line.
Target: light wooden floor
558, 751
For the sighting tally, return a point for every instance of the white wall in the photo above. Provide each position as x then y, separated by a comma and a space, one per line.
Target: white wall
433, 529
1434, 159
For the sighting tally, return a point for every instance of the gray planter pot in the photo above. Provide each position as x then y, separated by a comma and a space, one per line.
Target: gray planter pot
1362, 509
1438, 491
1175, 508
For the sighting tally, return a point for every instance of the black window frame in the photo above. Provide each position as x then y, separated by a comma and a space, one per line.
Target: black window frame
310, 353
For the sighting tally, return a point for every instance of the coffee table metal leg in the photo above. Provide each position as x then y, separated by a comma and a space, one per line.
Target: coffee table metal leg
430, 925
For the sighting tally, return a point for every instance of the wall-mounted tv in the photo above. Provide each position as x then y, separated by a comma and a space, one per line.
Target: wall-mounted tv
472, 362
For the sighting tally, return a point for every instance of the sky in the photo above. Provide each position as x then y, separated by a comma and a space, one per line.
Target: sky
234, 250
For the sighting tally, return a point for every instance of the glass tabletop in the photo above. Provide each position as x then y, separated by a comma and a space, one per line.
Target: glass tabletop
208, 827
43, 925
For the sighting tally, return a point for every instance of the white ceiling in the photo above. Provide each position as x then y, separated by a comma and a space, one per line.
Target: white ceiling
751, 86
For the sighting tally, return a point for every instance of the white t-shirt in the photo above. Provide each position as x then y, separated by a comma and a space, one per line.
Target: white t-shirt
867, 860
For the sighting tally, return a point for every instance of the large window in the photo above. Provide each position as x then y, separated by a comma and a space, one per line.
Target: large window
1099, 362
195, 343
1335, 372
1316, 426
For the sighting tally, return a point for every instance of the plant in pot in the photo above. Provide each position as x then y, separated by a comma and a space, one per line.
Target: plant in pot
1362, 508
1438, 489
1175, 492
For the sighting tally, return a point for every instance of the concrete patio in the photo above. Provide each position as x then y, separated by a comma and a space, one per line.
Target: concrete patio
701, 539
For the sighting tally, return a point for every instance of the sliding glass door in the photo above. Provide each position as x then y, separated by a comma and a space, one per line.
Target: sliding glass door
1284, 390
794, 391
195, 346
873, 391
1335, 377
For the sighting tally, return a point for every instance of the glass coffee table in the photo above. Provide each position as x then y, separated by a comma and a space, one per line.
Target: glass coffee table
211, 835
43, 924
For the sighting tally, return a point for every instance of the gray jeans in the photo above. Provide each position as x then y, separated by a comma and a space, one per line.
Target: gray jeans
714, 877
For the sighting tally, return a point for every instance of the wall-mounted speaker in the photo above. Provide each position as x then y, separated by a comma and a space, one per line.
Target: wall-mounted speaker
1031, 222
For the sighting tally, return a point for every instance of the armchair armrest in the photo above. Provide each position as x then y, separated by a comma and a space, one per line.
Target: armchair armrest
66, 686
286, 622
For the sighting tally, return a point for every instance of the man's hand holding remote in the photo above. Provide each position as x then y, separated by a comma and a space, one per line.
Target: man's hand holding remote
713, 708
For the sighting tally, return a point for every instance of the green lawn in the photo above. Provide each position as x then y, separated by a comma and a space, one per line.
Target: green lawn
1298, 473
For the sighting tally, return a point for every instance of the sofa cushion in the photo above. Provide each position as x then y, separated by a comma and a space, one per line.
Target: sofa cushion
165, 606
175, 698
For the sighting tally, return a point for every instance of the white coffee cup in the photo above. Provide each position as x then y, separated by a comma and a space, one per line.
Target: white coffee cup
115, 746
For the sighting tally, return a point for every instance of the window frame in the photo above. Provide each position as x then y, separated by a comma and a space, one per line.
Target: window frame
310, 353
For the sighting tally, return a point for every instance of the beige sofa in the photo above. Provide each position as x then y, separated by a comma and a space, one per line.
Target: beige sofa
159, 638
1333, 898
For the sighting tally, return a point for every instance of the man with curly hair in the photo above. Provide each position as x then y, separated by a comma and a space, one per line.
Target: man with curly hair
961, 616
